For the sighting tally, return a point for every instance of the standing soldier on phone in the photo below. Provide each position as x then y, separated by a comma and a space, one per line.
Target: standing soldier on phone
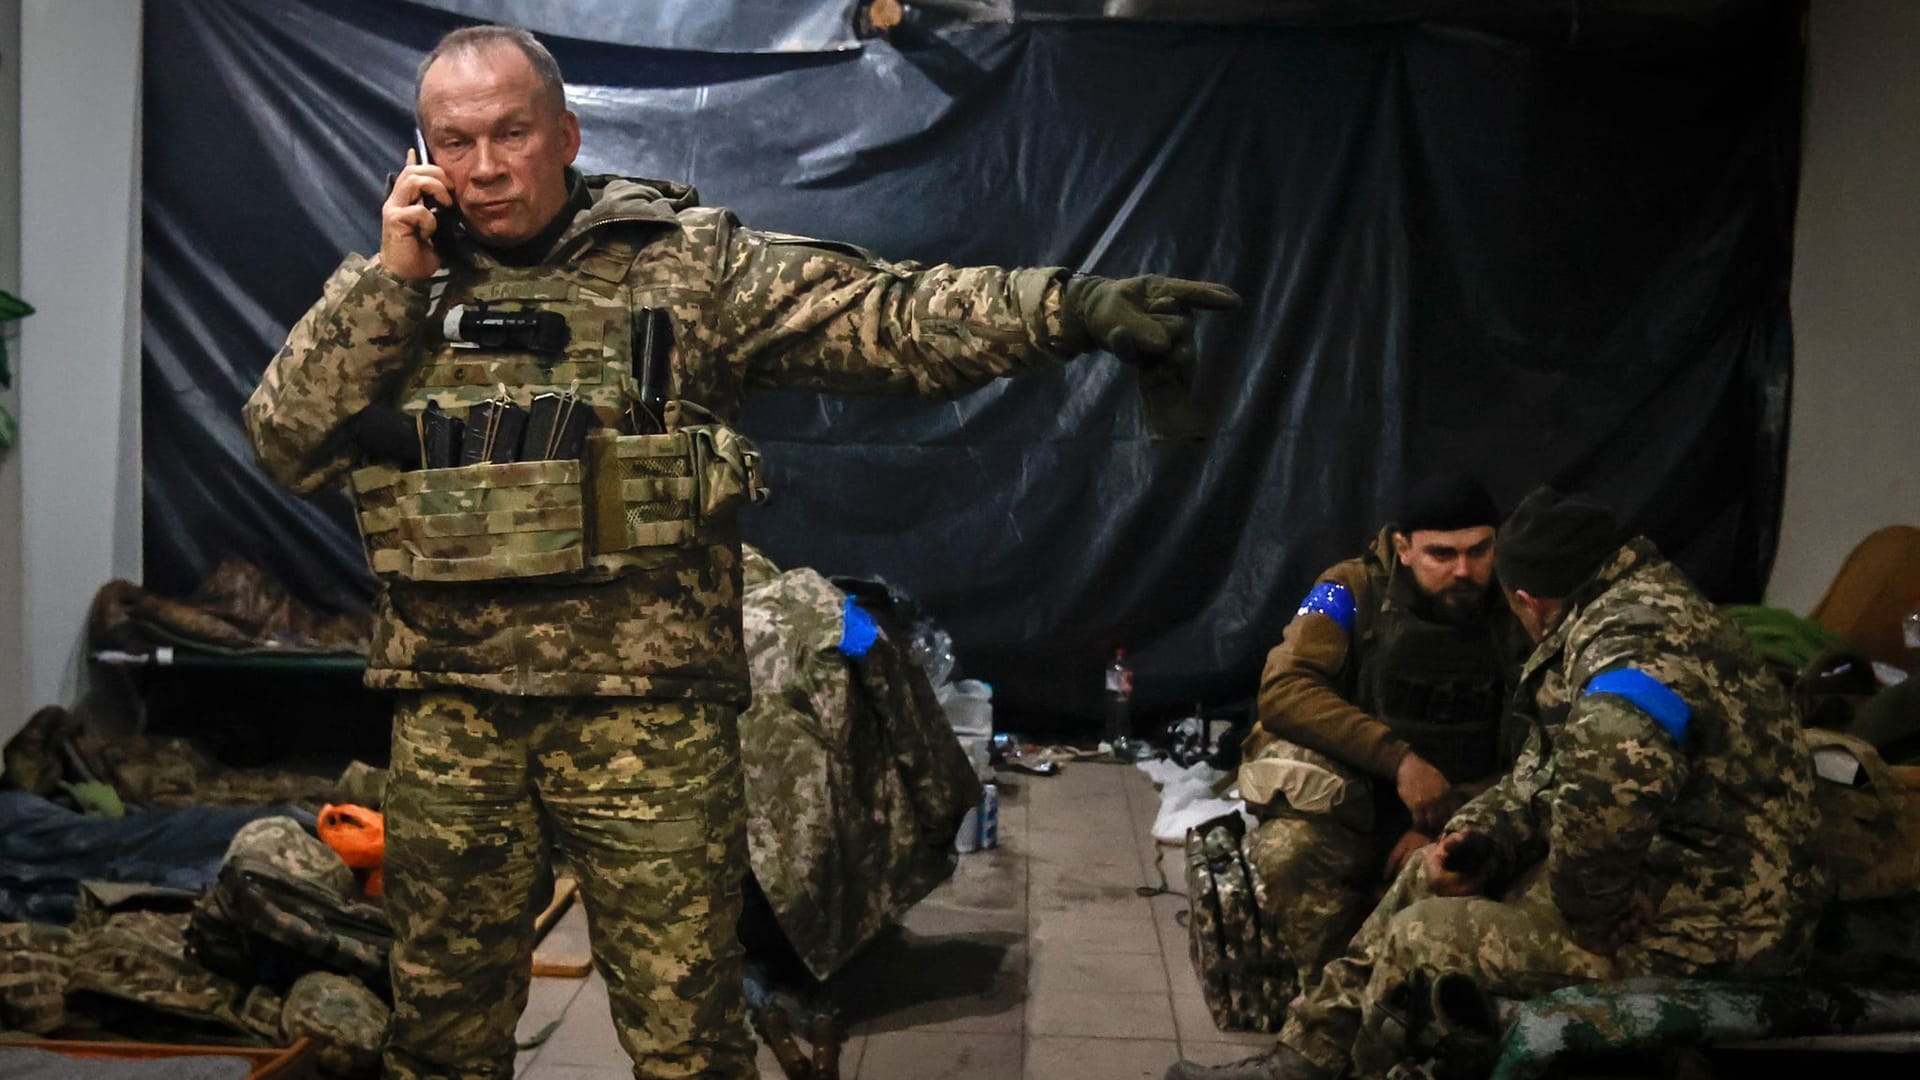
572, 666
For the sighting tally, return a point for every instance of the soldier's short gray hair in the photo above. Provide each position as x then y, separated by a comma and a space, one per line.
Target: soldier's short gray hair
473, 39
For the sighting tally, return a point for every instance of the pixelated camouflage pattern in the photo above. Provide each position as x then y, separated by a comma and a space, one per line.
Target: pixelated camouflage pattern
283, 903
1718, 830
643, 799
345, 1020
1319, 877
747, 309
133, 974
1602, 804
855, 783
34, 970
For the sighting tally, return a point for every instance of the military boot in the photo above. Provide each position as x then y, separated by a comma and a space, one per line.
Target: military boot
1282, 1062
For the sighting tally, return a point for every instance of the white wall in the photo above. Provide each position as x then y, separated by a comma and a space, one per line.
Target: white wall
11, 668
1853, 459
79, 361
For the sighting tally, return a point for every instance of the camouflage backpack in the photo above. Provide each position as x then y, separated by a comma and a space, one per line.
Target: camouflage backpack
131, 974
285, 904
347, 1021
1233, 947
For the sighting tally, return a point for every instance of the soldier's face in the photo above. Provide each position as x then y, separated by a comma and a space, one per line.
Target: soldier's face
504, 143
1536, 616
1451, 567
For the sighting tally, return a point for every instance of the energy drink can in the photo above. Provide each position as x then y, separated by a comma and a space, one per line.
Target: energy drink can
989, 816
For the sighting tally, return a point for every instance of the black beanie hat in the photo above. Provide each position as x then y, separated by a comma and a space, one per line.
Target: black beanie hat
1445, 502
1552, 543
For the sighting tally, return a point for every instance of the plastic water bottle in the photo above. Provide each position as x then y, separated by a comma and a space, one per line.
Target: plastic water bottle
1120, 706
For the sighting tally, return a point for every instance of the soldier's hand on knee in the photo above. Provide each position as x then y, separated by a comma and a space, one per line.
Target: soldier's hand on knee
1411, 841
1426, 792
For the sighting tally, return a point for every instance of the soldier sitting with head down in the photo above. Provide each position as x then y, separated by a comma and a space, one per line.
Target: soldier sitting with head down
1659, 821
1379, 707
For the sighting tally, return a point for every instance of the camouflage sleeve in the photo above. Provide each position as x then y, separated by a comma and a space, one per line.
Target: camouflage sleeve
1615, 772
1300, 690
351, 343
1504, 814
814, 315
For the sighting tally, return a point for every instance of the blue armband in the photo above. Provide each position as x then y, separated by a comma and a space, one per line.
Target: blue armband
858, 631
1648, 694
1332, 599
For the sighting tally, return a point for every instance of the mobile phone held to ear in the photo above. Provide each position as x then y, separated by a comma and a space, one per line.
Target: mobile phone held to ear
447, 218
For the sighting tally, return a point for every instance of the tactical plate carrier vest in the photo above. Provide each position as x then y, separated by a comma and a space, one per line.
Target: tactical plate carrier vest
1440, 687
584, 519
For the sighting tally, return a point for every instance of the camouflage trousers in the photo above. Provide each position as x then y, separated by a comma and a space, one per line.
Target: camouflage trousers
1319, 875
643, 799
1517, 947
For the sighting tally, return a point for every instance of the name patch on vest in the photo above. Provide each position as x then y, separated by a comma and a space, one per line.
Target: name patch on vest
1648, 694
1332, 599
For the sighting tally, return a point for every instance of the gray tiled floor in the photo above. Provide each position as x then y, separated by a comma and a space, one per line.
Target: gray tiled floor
1039, 961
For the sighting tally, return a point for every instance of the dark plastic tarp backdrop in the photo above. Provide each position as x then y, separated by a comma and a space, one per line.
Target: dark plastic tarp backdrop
1535, 255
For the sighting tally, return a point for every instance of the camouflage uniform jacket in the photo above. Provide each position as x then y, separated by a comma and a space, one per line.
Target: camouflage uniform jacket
1714, 824
746, 309
1312, 678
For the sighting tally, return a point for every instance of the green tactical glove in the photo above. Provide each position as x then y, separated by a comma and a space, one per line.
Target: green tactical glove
1147, 322
1139, 317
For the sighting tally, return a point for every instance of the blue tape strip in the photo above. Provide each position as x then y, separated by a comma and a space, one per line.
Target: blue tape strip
858, 632
1648, 694
1332, 599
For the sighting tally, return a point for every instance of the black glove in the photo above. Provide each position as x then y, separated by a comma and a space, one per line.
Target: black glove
1139, 317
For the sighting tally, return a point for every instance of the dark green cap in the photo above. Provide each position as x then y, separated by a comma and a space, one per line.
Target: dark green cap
1552, 543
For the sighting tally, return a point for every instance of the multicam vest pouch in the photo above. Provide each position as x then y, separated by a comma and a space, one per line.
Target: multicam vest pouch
660, 490
555, 517
474, 522
1234, 950
525, 519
